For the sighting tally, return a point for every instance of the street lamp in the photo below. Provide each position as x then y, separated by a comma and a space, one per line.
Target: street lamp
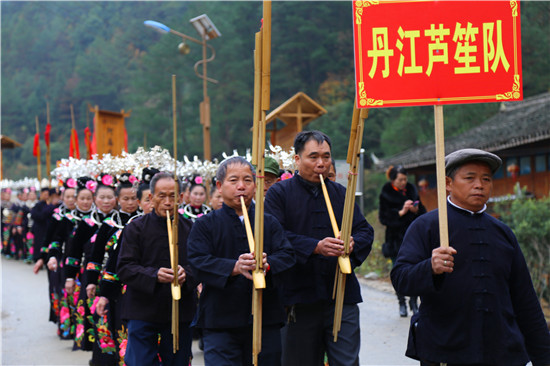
207, 31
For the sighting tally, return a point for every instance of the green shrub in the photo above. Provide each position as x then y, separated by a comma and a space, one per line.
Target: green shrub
530, 221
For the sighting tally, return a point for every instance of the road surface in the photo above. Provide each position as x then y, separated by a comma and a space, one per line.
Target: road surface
29, 339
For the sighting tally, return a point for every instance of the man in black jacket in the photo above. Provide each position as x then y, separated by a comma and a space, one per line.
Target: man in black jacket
40, 215
478, 303
219, 252
144, 266
299, 206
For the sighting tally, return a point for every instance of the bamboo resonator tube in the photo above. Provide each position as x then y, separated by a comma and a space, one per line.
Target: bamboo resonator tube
356, 136
343, 260
176, 291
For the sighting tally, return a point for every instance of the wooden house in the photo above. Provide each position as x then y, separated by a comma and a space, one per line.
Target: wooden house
295, 113
519, 134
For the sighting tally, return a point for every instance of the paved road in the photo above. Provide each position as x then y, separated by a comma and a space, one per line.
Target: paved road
29, 339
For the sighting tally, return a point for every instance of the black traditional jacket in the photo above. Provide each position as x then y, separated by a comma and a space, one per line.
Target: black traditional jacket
300, 208
485, 311
144, 249
215, 243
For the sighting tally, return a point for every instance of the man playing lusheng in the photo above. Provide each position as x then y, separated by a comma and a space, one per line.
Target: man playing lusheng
478, 303
300, 207
219, 253
144, 266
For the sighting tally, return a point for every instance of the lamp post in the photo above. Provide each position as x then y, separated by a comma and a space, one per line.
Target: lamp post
207, 31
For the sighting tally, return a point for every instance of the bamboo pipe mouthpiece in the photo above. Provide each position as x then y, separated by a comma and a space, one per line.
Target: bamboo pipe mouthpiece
345, 264
259, 279
247, 226
329, 207
169, 227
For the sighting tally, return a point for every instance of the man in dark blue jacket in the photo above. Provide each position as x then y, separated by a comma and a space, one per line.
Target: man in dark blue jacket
144, 266
299, 205
220, 256
478, 303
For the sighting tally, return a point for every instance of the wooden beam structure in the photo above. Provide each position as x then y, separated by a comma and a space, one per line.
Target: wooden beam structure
295, 113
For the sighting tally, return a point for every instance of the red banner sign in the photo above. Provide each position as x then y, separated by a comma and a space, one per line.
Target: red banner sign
436, 52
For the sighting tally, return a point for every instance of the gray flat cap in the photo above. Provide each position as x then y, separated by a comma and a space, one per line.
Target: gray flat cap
460, 157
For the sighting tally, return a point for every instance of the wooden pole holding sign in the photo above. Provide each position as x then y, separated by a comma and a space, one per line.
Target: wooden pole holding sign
440, 174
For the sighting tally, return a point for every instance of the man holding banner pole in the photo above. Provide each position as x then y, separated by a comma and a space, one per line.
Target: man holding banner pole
478, 303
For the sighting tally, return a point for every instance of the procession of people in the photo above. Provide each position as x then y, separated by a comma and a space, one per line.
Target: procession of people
103, 240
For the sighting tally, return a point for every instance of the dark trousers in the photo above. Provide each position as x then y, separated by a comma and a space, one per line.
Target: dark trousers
306, 340
233, 347
143, 346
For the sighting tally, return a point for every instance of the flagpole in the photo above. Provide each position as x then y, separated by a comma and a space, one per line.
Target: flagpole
38, 167
87, 134
72, 148
47, 140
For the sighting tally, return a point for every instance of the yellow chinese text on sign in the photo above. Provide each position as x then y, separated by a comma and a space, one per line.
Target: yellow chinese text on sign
436, 52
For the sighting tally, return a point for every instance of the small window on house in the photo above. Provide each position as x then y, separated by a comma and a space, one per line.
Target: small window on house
511, 166
540, 163
525, 165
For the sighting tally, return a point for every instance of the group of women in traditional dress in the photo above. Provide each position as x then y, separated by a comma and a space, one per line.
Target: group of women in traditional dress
80, 251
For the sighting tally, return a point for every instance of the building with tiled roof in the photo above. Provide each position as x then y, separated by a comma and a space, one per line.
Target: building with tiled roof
519, 133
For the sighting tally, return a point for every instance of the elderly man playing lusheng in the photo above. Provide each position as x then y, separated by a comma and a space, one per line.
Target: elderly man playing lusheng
219, 253
144, 266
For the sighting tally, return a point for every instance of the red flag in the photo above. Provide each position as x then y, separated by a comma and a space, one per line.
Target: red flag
94, 144
47, 134
36, 146
74, 150
88, 143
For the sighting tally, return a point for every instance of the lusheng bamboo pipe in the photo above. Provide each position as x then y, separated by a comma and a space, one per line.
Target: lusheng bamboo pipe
262, 81
329, 207
258, 277
356, 137
335, 230
257, 156
173, 232
343, 260
176, 291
